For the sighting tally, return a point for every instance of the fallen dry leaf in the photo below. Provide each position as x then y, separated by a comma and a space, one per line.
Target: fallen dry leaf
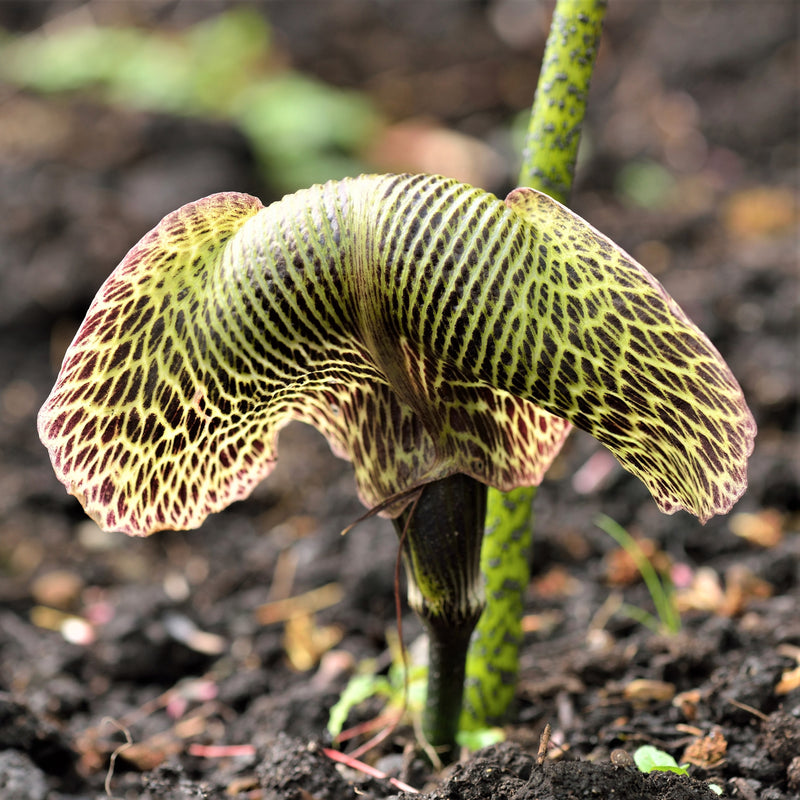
688, 702
556, 582
305, 642
790, 680
421, 145
742, 586
59, 589
761, 211
542, 623
643, 690
706, 751
764, 528
300, 605
239, 786
149, 754
704, 592
75, 630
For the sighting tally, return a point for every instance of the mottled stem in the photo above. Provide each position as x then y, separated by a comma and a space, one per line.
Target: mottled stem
548, 164
554, 131
441, 549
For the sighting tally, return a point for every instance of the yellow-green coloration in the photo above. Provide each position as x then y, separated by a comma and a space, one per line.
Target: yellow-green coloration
549, 158
506, 572
551, 146
419, 323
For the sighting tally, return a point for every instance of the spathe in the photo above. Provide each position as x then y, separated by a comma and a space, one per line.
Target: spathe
424, 326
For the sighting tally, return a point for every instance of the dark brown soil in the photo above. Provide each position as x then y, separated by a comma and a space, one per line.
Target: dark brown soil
168, 648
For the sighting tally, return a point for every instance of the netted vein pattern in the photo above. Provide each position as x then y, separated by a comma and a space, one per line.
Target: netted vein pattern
424, 326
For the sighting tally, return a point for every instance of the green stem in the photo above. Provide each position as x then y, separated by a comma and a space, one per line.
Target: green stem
444, 530
549, 156
493, 656
442, 535
554, 131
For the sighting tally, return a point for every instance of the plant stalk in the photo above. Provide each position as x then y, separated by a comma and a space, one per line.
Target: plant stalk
444, 530
548, 164
559, 106
442, 534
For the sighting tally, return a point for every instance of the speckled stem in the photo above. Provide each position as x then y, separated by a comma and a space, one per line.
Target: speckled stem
549, 157
551, 146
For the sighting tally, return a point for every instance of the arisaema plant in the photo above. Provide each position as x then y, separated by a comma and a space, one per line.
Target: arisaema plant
439, 337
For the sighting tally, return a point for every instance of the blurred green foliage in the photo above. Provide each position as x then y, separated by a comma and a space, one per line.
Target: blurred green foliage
302, 130
645, 184
662, 592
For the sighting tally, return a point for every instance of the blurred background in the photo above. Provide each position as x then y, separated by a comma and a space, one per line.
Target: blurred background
114, 113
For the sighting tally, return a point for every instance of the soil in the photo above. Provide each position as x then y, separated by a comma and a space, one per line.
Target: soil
124, 663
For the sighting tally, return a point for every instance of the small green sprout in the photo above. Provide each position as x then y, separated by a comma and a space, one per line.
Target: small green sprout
667, 617
400, 691
650, 759
403, 690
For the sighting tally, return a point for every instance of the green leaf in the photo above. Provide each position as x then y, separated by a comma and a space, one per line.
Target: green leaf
199, 70
648, 758
289, 116
645, 184
479, 738
301, 129
417, 680
358, 689
75, 59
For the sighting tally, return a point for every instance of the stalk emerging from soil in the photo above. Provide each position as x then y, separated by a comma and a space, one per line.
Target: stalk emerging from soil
548, 164
442, 560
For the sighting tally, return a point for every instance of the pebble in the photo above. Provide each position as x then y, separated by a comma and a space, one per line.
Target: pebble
20, 778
